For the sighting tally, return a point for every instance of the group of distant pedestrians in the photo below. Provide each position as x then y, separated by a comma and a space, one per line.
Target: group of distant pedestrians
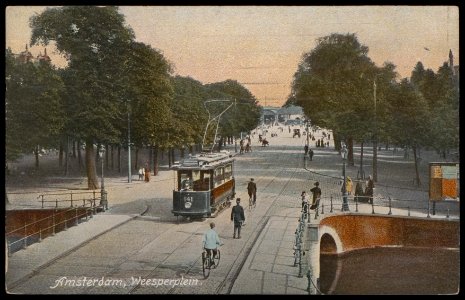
359, 194
144, 173
308, 152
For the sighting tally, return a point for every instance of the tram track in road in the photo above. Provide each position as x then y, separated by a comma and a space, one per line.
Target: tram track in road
224, 287
173, 263
239, 261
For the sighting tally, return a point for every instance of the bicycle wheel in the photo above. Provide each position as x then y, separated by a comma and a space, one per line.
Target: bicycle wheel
205, 265
217, 258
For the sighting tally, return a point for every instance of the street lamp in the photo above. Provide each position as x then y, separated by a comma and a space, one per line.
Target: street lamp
345, 205
308, 134
129, 144
103, 193
375, 135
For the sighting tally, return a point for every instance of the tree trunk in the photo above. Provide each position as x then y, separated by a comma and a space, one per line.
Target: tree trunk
60, 155
36, 154
350, 146
155, 161
169, 158
112, 157
136, 164
79, 157
96, 152
119, 159
416, 166
191, 149
172, 156
92, 180
375, 159
74, 149
107, 155
182, 152
361, 172
220, 144
67, 156
337, 141
151, 157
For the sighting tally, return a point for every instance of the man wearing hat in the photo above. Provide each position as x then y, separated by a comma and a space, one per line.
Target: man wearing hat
316, 195
237, 215
252, 190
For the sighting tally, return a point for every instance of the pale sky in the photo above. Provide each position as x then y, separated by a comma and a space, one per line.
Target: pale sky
261, 46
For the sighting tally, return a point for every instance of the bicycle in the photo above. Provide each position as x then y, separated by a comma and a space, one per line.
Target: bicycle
208, 262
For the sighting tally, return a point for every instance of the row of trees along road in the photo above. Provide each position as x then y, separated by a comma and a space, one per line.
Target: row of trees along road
110, 82
336, 83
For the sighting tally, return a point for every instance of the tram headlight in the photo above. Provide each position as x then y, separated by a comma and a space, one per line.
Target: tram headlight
188, 201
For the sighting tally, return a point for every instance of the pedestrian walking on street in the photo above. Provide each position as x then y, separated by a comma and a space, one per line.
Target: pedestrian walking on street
349, 185
141, 173
252, 191
316, 191
237, 215
369, 189
358, 191
306, 149
310, 153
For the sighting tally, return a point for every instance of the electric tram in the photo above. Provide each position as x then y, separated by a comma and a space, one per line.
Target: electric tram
205, 182
205, 185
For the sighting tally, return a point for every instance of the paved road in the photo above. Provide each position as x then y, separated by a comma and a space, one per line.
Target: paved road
156, 245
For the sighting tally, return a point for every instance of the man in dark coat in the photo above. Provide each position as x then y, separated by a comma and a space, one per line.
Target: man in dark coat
252, 190
316, 191
237, 215
369, 189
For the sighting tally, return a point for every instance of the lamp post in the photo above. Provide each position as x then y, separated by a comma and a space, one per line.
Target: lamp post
375, 137
103, 193
308, 134
345, 204
129, 147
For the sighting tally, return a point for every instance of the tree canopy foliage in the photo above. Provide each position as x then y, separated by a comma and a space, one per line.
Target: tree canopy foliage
110, 82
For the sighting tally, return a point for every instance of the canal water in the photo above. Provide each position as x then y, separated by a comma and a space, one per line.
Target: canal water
391, 271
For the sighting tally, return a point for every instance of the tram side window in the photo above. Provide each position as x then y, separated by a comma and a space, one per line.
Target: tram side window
219, 177
205, 179
228, 172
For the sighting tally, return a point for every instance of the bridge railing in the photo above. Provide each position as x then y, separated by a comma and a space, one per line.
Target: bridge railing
32, 232
388, 206
81, 198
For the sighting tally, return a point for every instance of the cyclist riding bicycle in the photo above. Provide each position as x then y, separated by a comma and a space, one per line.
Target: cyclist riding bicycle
211, 241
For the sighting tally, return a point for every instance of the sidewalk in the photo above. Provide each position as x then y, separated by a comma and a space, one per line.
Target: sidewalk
38, 255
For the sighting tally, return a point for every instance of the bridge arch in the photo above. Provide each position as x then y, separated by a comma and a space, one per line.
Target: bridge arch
330, 242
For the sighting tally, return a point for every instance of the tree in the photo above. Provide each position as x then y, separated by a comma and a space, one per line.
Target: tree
94, 40
441, 94
409, 118
34, 108
333, 84
244, 116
